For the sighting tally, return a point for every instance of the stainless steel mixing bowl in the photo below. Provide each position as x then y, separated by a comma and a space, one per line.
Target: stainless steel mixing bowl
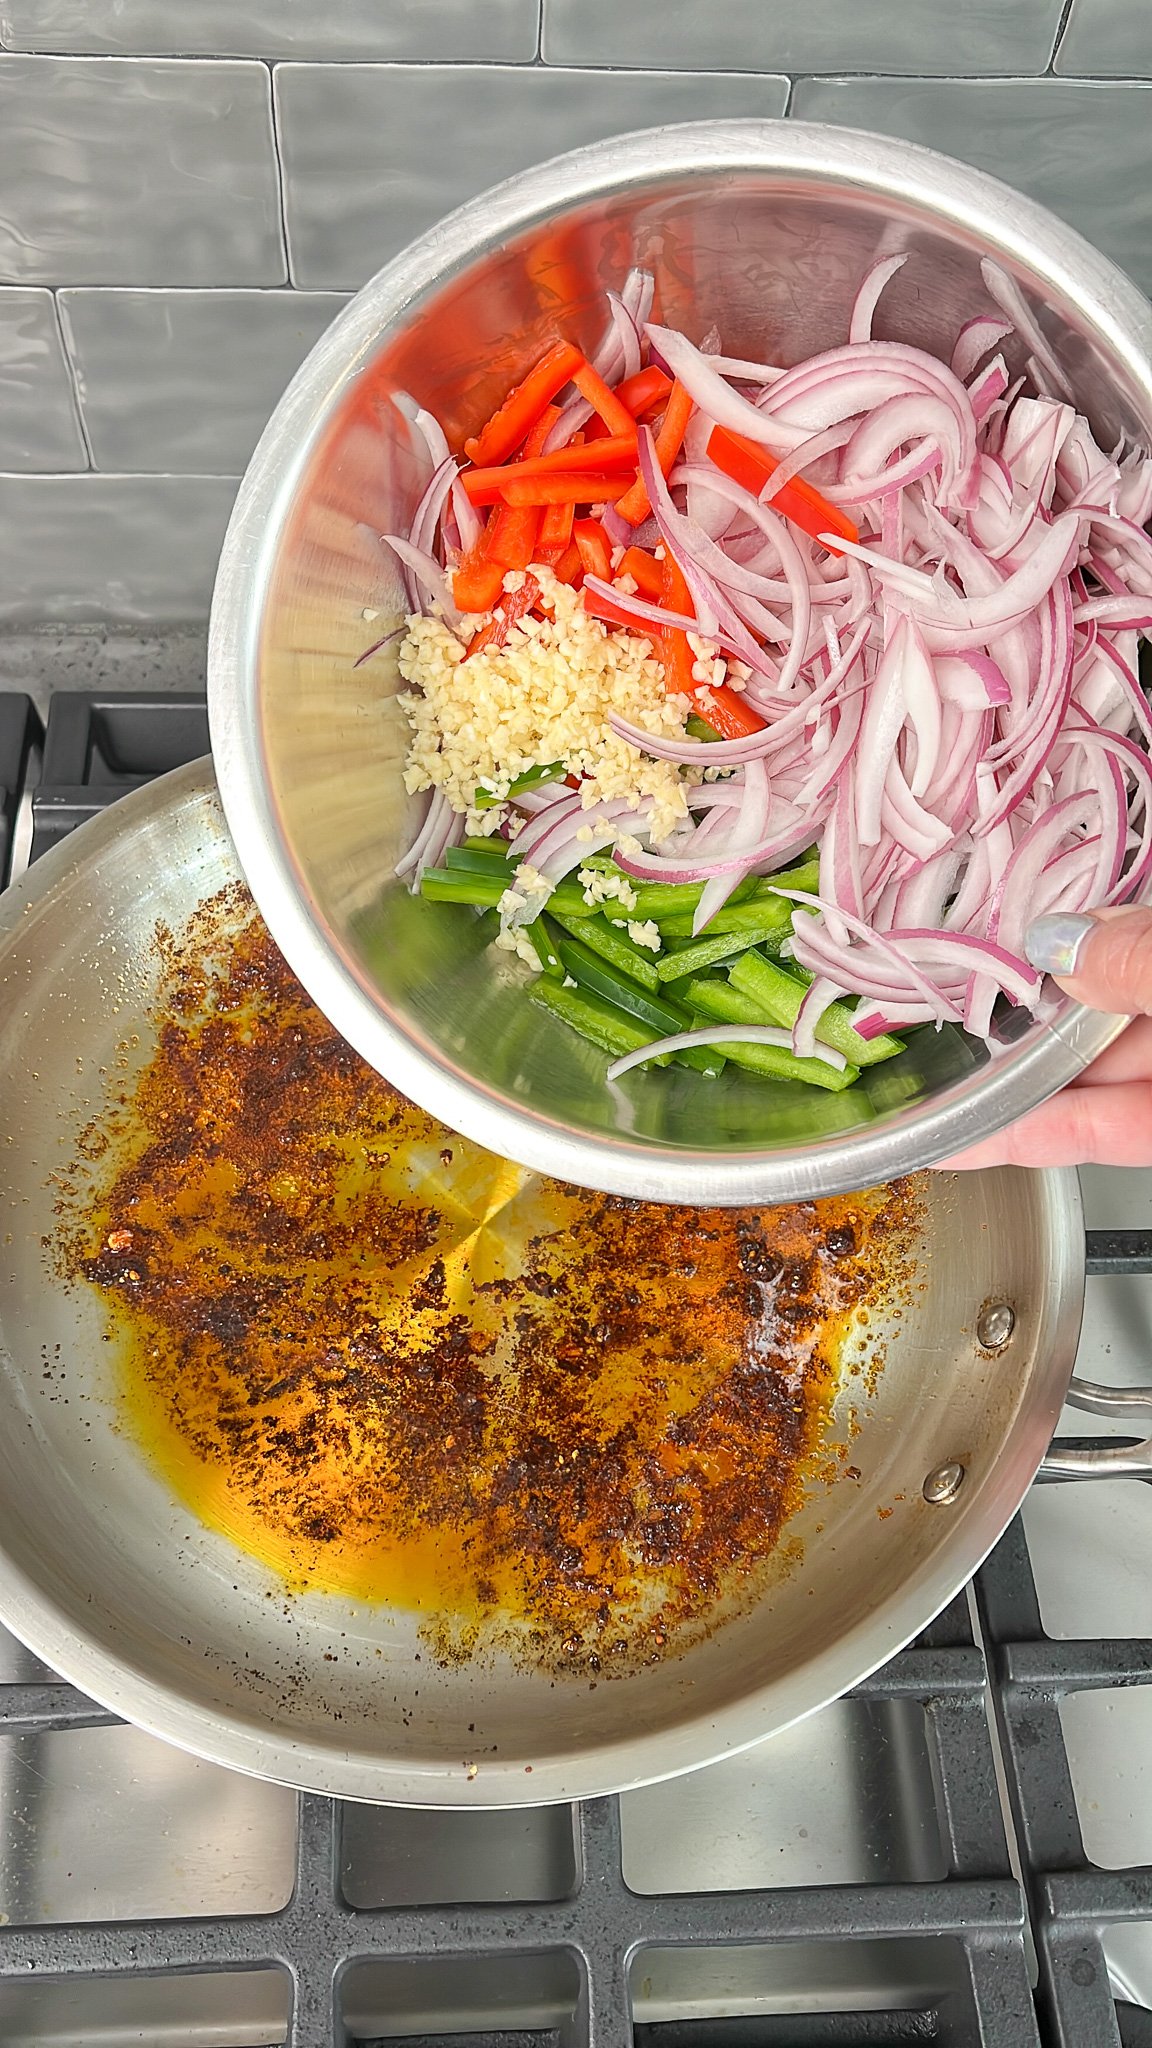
764, 228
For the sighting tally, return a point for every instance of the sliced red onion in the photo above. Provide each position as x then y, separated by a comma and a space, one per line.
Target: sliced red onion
423, 569
877, 968
707, 387
442, 827
618, 530
397, 633
928, 423
638, 292
574, 416
864, 304
817, 997
922, 697
689, 544
1137, 701
883, 719
748, 829
912, 582
720, 1034
646, 613
976, 339
427, 426
468, 520
773, 851
969, 623
626, 359
792, 561
972, 680
988, 391
553, 843
1007, 295
422, 532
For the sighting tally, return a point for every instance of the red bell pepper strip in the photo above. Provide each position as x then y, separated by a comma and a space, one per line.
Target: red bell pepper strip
555, 533
573, 488
507, 542
512, 608
570, 569
595, 547
514, 420
645, 571
645, 392
669, 440
747, 463
590, 384
613, 614
534, 444
477, 582
511, 535
485, 486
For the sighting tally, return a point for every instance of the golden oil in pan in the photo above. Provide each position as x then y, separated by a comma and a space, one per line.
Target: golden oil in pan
388, 1364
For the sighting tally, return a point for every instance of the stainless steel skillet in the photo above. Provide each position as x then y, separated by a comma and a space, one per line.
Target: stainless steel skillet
110, 1581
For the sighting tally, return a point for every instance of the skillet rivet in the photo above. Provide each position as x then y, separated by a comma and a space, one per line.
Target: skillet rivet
996, 1325
943, 1484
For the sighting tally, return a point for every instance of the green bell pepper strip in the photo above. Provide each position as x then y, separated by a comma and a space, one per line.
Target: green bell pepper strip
595, 1020
694, 957
612, 945
468, 860
662, 1017
483, 891
779, 996
543, 944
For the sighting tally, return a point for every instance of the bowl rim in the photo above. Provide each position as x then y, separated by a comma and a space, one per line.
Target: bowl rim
993, 215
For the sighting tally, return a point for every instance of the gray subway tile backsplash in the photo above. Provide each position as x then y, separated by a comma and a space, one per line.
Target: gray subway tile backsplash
401, 30
373, 154
1084, 150
200, 184
137, 171
1107, 39
38, 424
184, 381
974, 36
135, 548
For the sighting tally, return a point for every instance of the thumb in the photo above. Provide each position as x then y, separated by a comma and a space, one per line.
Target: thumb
1103, 960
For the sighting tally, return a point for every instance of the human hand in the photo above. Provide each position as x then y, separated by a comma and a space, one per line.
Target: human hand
1105, 1117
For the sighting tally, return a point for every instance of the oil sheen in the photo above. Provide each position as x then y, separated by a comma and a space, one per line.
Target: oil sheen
386, 1364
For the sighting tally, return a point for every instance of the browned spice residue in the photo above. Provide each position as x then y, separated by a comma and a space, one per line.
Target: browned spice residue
390, 1365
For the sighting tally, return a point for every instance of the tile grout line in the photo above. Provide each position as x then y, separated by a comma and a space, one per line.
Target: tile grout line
535, 59
1061, 30
281, 183
73, 378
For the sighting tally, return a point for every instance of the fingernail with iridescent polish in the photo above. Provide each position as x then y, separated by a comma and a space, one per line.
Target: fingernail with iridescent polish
1054, 944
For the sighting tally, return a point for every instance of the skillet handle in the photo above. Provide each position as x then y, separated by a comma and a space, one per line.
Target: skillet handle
1127, 1460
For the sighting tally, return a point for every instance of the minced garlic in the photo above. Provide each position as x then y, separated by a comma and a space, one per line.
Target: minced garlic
601, 887
545, 696
519, 943
646, 934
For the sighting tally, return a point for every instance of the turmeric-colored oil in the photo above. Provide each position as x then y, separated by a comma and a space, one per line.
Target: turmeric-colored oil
387, 1364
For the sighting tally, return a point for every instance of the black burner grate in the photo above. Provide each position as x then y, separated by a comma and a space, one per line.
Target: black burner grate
96, 748
968, 1929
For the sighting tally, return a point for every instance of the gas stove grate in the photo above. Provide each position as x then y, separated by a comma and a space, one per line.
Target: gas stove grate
968, 1930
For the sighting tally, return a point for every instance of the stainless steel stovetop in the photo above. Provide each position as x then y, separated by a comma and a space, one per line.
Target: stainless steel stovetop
957, 1853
